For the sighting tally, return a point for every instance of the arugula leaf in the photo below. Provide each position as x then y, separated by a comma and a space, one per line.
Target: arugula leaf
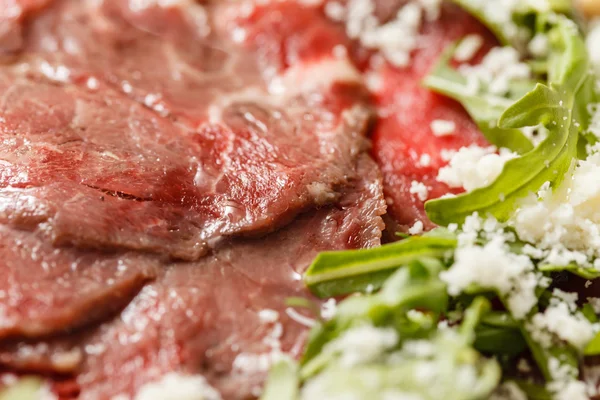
485, 109
515, 31
533, 391
417, 286
342, 272
551, 105
447, 354
283, 381
593, 347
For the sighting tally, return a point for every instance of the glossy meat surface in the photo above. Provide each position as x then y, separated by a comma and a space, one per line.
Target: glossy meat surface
81, 141
167, 172
204, 317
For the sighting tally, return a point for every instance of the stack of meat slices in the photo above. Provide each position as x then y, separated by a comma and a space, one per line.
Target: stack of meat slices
168, 170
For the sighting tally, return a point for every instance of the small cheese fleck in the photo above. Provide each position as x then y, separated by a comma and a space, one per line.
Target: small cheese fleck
538, 46
417, 228
468, 48
424, 160
174, 386
441, 127
419, 189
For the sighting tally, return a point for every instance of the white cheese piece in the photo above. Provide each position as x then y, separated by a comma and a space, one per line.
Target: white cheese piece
468, 48
499, 67
395, 39
174, 386
417, 228
419, 189
424, 160
565, 225
362, 344
559, 320
494, 266
441, 127
474, 167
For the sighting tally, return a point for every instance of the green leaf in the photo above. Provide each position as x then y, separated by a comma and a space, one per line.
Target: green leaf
27, 388
586, 273
593, 347
516, 38
283, 381
473, 315
552, 105
342, 272
415, 287
534, 391
485, 109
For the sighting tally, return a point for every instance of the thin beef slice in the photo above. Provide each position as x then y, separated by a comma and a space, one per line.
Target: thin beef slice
208, 317
104, 168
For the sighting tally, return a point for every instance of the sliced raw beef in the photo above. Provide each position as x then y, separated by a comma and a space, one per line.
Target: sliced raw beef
205, 317
89, 161
44, 290
403, 132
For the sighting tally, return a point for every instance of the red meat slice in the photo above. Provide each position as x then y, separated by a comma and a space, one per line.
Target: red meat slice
406, 109
102, 171
44, 291
203, 317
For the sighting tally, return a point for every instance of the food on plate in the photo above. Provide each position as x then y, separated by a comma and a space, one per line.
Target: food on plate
299, 199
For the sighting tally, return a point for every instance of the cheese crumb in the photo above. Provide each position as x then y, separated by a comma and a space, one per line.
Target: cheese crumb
419, 189
174, 386
497, 70
417, 228
474, 167
395, 39
468, 47
493, 266
441, 127
564, 225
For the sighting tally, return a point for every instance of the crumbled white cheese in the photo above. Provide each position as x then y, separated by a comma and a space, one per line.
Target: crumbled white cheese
362, 344
419, 189
474, 167
564, 225
174, 386
417, 228
559, 320
565, 385
493, 266
468, 48
395, 39
500, 13
499, 67
441, 127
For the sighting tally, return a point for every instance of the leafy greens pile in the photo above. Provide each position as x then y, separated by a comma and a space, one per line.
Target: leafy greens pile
404, 333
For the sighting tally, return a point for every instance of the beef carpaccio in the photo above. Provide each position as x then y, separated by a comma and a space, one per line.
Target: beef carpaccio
170, 168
